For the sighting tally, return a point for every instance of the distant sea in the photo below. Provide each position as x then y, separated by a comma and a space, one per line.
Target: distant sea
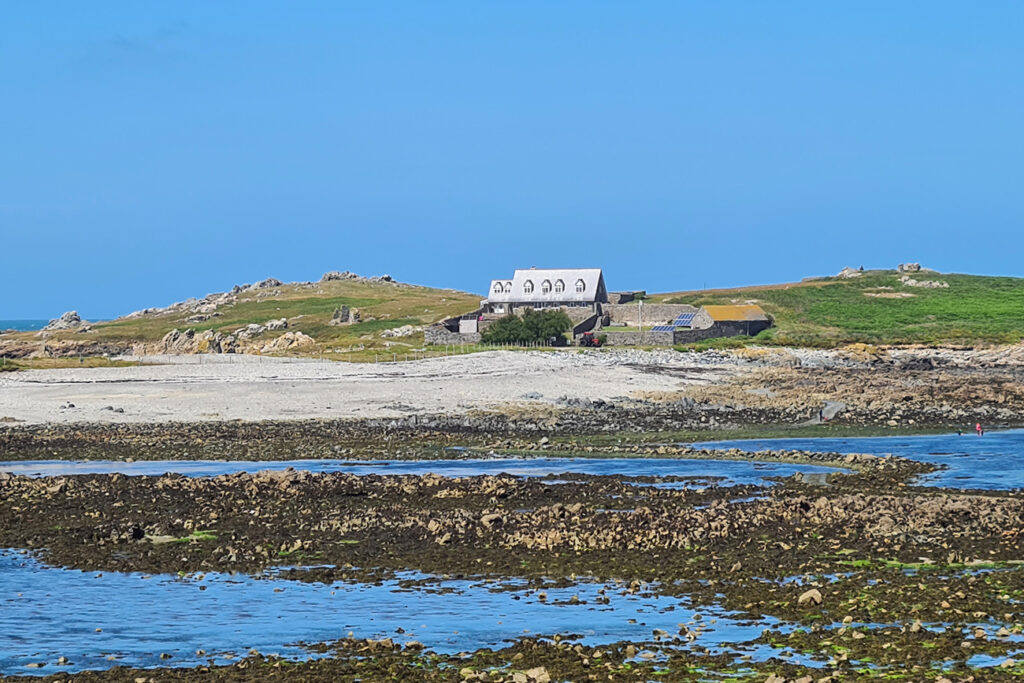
23, 325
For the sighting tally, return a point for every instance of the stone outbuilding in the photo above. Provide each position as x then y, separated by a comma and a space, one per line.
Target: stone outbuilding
732, 320
707, 322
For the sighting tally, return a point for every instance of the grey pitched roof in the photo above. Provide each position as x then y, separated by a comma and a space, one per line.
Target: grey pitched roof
564, 279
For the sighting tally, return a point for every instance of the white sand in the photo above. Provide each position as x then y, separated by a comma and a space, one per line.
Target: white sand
191, 388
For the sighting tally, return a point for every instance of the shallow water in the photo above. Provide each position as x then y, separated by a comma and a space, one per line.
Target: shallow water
994, 461
704, 472
98, 620
23, 325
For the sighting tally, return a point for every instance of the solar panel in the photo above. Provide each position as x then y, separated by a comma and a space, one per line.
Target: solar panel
684, 319
664, 328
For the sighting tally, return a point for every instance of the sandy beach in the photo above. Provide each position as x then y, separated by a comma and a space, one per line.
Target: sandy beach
226, 387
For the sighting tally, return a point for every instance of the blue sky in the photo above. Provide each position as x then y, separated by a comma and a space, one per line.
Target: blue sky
155, 151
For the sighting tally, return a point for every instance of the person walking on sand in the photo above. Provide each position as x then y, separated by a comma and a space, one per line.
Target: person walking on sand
977, 428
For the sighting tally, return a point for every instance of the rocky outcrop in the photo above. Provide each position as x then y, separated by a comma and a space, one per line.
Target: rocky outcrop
848, 272
63, 348
403, 331
289, 341
909, 268
269, 283
928, 284
190, 341
253, 330
67, 321
343, 315
206, 306
334, 276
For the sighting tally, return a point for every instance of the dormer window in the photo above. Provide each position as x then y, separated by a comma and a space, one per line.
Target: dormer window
528, 287
498, 289
559, 286
581, 286
545, 287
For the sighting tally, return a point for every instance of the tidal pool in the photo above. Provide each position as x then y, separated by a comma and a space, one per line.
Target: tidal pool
100, 619
702, 472
994, 461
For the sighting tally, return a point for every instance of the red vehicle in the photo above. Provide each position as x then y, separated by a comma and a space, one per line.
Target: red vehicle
588, 339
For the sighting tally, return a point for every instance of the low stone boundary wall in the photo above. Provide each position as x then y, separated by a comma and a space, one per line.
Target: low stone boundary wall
651, 338
439, 334
646, 338
721, 329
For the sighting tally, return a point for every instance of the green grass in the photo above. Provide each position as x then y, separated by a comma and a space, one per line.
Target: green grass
832, 312
200, 535
824, 313
7, 365
309, 308
245, 313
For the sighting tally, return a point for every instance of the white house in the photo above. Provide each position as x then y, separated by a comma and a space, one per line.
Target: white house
547, 288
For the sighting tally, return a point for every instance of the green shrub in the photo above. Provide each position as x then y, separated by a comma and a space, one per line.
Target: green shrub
543, 327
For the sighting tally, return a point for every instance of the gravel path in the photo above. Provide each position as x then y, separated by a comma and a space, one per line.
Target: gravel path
188, 388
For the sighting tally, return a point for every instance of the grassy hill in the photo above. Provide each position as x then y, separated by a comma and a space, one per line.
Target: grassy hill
308, 308
877, 308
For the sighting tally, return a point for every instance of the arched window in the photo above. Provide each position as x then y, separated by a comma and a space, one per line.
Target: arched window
581, 286
528, 287
545, 287
559, 286
508, 287
498, 289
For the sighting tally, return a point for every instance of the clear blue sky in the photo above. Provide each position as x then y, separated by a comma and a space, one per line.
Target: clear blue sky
154, 151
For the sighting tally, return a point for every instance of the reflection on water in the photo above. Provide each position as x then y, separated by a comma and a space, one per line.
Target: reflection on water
994, 461
704, 472
98, 620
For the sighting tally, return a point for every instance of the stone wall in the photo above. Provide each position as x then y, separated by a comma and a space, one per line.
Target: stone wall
439, 334
651, 338
654, 314
646, 338
721, 329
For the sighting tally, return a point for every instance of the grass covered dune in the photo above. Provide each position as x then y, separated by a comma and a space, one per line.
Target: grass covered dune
879, 308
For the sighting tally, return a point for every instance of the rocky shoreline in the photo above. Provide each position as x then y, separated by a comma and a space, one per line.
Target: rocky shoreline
601, 427
864, 573
861, 547
547, 659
